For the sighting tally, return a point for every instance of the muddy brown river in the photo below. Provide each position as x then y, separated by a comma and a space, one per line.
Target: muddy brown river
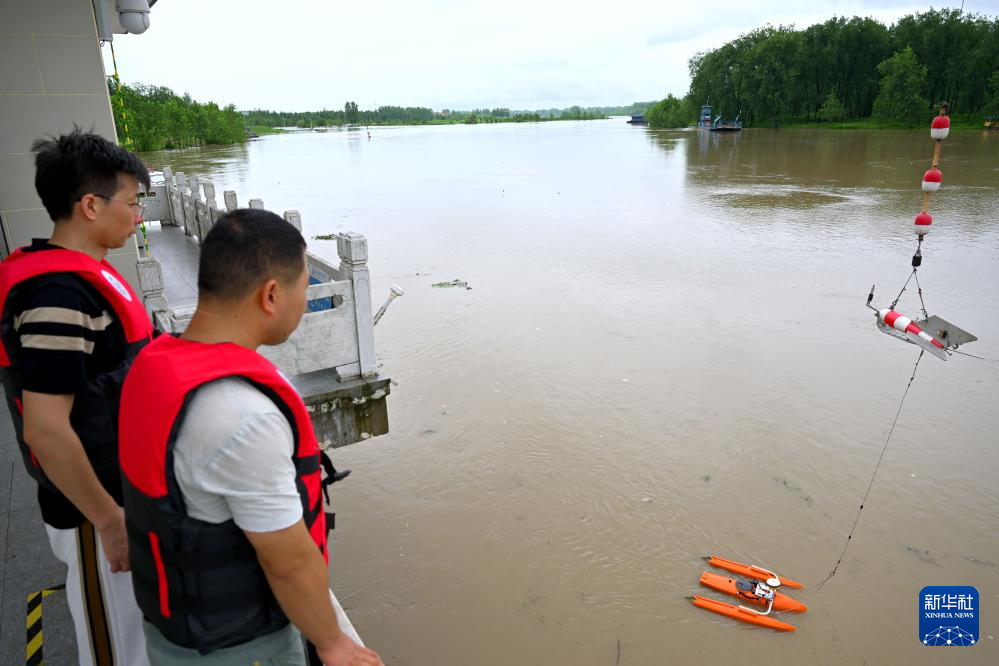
664, 354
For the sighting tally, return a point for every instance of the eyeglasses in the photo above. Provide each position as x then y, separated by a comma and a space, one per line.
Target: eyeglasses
138, 209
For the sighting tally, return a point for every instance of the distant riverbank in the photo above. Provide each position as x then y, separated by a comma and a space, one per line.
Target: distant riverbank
471, 119
869, 124
966, 124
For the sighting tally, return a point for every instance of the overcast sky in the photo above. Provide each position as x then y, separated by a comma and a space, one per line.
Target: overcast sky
298, 55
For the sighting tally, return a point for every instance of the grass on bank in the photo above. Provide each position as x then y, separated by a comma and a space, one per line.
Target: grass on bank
260, 130
870, 123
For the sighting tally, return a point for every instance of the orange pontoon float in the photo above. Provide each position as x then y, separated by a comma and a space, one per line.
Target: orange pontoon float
761, 590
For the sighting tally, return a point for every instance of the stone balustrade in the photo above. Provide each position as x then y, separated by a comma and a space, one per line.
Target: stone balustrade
335, 339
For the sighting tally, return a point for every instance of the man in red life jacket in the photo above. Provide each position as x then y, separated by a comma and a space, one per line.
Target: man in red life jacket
70, 325
222, 479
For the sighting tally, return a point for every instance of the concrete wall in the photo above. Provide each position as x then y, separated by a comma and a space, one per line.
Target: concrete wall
51, 77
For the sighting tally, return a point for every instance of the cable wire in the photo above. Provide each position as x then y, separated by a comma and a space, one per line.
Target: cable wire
873, 476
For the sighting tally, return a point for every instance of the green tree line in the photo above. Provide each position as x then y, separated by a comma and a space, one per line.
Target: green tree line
504, 115
853, 69
155, 118
350, 114
152, 117
412, 115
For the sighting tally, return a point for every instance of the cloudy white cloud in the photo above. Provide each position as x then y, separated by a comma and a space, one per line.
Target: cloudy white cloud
303, 55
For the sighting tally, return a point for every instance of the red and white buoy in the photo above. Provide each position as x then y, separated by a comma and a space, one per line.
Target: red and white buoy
932, 180
922, 224
940, 127
903, 324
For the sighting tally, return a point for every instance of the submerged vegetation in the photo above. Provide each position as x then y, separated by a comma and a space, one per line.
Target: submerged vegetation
848, 71
669, 112
412, 115
151, 117
155, 118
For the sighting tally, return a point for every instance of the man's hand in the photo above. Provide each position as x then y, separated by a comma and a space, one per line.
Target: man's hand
345, 652
114, 540
299, 580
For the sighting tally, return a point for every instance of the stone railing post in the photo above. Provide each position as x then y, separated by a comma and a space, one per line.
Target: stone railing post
229, 196
168, 183
195, 183
179, 214
210, 194
212, 212
353, 250
151, 284
256, 203
294, 218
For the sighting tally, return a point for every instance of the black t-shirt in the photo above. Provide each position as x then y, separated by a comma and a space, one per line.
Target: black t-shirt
62, 335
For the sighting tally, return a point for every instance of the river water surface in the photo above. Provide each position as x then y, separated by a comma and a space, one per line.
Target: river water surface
664, 354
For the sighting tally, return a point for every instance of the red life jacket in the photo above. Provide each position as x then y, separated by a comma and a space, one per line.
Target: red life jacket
200, 583
95, 406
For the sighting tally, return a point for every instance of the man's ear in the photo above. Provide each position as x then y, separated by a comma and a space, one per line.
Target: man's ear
88, 206
269, 296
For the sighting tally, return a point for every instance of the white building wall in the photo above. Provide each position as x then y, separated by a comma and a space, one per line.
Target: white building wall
51, 78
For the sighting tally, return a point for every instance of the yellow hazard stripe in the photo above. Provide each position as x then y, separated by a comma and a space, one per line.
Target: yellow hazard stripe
33, 625
33, 646
35, 615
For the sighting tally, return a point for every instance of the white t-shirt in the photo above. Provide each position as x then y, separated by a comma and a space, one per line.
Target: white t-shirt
232, 459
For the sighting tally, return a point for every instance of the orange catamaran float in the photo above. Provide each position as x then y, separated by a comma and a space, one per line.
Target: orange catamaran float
760, 590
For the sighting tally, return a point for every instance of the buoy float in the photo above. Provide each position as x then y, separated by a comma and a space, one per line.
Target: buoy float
940, 127
922, 224
903, 324
932, 180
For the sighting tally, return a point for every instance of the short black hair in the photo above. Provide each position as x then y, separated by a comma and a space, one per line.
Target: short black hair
71, 165
245, 247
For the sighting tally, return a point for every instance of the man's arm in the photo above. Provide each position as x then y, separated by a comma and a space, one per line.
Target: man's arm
298, 577
60, 453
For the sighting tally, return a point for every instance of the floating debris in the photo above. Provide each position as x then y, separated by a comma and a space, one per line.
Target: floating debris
986, 563
924, 555
794, 489
455, 283
787, 484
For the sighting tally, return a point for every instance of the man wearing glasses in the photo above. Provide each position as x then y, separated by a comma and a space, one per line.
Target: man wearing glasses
70, 326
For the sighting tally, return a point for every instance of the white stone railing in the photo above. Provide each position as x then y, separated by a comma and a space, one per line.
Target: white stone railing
340, 337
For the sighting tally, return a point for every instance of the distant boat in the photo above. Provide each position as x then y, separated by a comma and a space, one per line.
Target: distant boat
992, 123
705, 121
638, 120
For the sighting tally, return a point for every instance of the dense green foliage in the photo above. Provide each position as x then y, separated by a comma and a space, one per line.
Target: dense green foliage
900, 98
780, 74
154, 118
351, 114
633, 109
591, 112
832, 110
670, 112
991, 105
411, 115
